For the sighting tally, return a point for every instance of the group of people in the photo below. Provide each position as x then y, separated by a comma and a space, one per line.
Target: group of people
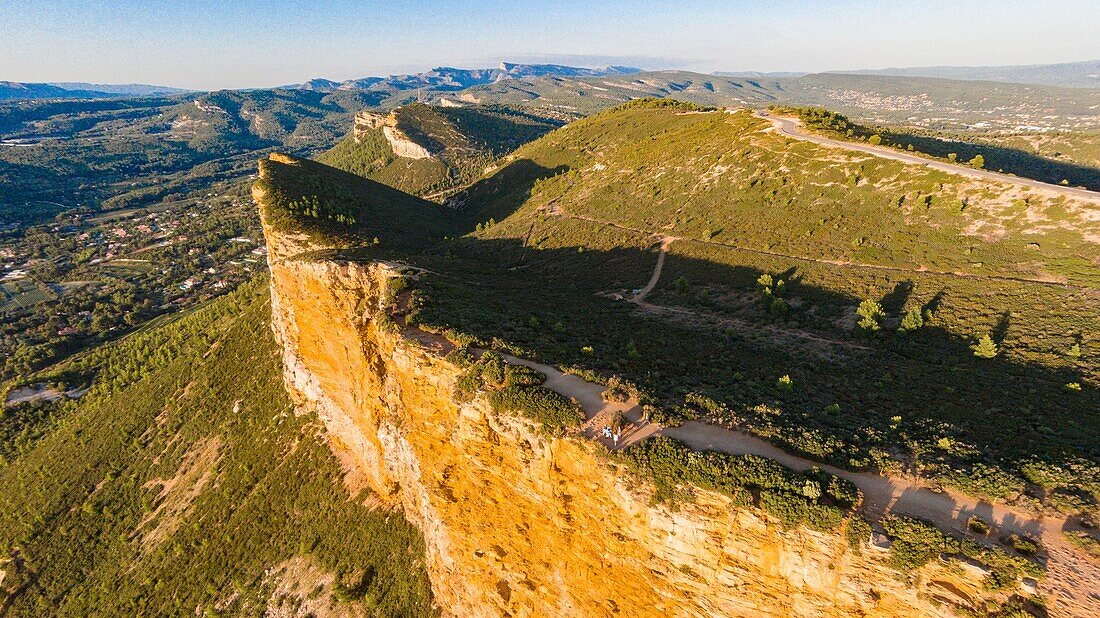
610, 435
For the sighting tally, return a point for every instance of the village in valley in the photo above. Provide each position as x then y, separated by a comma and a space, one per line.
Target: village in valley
87, 277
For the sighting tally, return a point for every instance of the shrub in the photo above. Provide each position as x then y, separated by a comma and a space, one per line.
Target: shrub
1085, 541
793, 510
784, 384
792, 497
871, 315
857, 532
977, 525
984, 347
915, 542
1022, 544
540, 404
912, 321
1074, 351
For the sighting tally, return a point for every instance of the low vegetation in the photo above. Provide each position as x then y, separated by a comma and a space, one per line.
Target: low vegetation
815, 499
1059, 158
514, 389
915, 543
463, 140
182, 477
333, 206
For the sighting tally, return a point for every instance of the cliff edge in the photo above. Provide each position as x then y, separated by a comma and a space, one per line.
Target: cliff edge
518, 522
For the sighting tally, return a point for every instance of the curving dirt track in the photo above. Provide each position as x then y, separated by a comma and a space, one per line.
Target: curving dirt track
792, 127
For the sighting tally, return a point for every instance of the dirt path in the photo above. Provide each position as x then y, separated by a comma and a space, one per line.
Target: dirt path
656, 276
793, 128
738, 324
1073, 582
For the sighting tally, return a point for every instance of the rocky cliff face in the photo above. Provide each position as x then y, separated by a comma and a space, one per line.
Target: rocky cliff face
520, 524
402, 144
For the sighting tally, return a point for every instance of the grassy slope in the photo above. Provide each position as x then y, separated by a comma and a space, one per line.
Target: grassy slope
198, 400
764, 205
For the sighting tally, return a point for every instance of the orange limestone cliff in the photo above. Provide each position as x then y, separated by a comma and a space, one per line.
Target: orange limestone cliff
518, 523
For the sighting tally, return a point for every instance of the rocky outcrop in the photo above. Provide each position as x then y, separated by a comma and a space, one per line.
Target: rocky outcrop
520, 524
401, 143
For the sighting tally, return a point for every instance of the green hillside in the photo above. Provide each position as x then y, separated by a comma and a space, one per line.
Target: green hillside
464, 140
184, 482
867, 283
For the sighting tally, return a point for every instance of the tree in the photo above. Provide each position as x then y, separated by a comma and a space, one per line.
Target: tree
911, 321
952, 157
1074, 351
632, 351
978, 161
985, 347
872, 315
874, 140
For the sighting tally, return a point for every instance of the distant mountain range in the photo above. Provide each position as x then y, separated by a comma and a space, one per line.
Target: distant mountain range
758, 74
395, 89
14, 91
1076, 74
450, 79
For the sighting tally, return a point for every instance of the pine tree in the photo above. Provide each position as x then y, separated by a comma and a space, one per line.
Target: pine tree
985, 347
911, 321
872, 315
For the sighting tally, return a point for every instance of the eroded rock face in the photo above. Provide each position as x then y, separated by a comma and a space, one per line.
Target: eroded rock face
402, 144
520, 524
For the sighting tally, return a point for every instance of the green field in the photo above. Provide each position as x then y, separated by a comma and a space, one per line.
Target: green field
23, 294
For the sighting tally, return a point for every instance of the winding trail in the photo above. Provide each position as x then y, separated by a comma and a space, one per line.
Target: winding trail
1073, 581
792, 127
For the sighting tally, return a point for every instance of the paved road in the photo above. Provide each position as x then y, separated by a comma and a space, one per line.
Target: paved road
792, 127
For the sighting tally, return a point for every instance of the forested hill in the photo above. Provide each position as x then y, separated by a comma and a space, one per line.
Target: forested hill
184, 482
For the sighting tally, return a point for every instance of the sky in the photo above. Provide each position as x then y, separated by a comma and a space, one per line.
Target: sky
208, 45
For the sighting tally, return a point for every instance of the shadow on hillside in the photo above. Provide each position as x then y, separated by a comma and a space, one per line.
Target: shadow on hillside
1010, 160
896, 393
507, 189
858, 401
